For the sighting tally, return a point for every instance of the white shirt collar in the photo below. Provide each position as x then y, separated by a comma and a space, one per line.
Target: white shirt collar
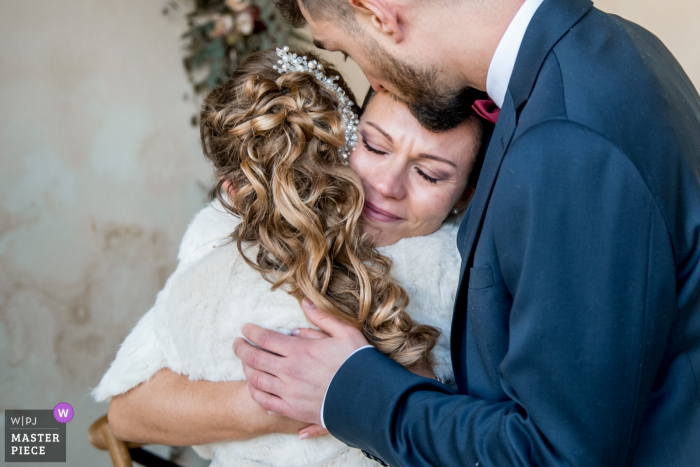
503, 61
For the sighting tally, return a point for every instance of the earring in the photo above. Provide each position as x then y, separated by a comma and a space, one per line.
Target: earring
455, 211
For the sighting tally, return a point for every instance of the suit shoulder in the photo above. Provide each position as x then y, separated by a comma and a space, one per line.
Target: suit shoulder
558, 151
566, 162
549, 134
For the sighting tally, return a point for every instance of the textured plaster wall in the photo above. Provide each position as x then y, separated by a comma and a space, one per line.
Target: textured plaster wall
100, 172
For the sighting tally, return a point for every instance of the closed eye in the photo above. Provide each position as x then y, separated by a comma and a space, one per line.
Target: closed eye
426, 176
371, 148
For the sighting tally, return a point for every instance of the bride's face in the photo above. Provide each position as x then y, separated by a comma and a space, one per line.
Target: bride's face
412, 178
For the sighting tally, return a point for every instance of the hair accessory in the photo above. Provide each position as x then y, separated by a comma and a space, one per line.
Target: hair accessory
291, 62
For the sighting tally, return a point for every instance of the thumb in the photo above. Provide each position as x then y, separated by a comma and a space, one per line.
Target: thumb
325, 322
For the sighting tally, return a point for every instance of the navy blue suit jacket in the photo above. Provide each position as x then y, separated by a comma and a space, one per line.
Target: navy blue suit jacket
576, 332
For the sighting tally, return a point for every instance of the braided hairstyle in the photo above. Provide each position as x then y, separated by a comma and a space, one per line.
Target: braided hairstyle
276, 137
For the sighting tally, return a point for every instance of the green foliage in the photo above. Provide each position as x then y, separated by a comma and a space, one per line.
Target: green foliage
222, 33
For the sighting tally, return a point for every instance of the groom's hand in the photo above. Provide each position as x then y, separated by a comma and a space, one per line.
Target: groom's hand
289, 375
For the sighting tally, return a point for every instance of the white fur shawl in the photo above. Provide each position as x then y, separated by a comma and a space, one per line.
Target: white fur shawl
213, 292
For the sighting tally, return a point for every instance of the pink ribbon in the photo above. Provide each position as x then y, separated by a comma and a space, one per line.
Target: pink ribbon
487, 109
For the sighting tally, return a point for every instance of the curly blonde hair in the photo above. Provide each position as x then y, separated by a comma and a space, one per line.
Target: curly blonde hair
276, 137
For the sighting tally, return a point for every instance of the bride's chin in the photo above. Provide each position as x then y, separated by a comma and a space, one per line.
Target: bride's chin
379, 238
374, 232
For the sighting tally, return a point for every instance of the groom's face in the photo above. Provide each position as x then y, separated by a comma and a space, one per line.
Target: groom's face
436, 103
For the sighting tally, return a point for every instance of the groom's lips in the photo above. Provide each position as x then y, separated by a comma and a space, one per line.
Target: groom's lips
374, 213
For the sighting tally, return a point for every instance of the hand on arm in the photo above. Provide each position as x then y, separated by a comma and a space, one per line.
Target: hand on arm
289, 375
170, 409
314, 431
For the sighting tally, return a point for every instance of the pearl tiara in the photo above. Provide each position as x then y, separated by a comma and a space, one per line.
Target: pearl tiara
291, 62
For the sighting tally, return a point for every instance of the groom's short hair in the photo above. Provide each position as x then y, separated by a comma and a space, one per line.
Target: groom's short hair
338, 11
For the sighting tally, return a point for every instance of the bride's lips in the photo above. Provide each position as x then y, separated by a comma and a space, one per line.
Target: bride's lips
372, 212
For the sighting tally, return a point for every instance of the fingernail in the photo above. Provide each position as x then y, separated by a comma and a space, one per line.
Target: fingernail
244, 329
304, 436
308, 303
295, 332
270, 412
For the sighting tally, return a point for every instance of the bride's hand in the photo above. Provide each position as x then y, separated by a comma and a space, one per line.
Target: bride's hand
422, 369
285, 425
303, 429
312, 431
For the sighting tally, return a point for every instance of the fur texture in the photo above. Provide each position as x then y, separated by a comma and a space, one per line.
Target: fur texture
213, 292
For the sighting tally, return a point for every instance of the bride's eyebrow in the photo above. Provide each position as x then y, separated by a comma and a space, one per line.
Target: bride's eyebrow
378, 128
437, 158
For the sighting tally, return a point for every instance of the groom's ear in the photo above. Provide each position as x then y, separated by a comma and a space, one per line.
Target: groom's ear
382, 15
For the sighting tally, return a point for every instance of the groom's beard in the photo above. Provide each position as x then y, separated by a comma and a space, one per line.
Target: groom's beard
436, 108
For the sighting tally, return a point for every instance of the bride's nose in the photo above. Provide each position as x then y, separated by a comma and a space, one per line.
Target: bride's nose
389, 180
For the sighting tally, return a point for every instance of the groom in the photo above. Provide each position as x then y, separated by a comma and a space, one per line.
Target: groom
576, 331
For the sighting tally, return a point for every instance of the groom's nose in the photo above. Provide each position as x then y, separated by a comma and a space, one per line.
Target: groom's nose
375, 84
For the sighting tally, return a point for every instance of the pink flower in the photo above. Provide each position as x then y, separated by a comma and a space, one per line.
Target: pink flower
223, 24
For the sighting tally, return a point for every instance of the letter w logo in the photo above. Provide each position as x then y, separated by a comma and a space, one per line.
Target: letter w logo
62, 413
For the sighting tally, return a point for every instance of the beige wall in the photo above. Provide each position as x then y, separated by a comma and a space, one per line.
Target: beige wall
100, 171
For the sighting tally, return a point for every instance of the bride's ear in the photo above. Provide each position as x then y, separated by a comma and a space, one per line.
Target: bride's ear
466, 198
382, 14
228, 188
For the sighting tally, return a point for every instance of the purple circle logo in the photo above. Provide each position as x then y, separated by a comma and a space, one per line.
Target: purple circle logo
63, 412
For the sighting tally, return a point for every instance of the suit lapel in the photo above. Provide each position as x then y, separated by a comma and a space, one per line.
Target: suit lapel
551, 22
502, 134
468, 232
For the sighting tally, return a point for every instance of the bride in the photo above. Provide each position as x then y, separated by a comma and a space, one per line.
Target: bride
292, 220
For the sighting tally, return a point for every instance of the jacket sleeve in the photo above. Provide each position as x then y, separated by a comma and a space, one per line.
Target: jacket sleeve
584, 252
